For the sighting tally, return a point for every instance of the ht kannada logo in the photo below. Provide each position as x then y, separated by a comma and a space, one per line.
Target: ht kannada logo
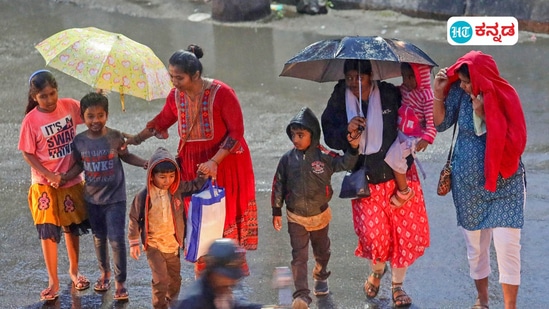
482, 30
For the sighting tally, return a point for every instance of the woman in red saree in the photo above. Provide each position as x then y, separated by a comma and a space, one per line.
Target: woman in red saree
211, 130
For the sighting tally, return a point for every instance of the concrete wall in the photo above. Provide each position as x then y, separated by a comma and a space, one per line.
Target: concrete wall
533, 15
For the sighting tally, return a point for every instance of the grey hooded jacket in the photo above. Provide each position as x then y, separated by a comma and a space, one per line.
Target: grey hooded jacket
139, 212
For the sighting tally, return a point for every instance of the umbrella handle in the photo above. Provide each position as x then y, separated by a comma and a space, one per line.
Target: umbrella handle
122, 98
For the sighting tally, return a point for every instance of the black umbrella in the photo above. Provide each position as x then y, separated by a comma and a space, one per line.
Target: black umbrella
323, 61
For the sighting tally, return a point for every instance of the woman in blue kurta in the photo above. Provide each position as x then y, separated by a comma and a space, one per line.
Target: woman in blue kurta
488, 177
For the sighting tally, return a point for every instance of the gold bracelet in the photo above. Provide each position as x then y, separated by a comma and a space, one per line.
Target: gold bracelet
214, 161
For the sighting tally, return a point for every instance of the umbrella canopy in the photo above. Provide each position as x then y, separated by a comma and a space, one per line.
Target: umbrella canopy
109, 61
323, 61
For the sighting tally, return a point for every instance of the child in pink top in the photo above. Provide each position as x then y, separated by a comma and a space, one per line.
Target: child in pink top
415, 123
46, 136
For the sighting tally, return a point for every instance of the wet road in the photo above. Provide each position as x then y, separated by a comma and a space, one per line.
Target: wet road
249, 57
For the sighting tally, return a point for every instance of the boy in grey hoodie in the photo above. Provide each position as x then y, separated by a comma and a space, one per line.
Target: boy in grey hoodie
156, 218
303, 182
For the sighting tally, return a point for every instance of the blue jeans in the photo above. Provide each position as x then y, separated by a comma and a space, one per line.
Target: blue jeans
108, 222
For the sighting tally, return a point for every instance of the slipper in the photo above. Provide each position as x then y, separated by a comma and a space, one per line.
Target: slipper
82, 283
369, 288
48, 295
478, 305
399, 199
402, 298
122, 294
102, 285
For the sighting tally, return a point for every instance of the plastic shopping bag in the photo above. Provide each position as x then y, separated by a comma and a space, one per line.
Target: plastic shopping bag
205, 220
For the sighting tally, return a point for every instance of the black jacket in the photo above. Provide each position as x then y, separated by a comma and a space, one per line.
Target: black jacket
334, 125
303, 178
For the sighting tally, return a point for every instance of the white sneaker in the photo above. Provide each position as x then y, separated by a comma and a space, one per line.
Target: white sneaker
299, 303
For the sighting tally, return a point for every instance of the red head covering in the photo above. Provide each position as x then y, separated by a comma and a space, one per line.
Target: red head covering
505, 123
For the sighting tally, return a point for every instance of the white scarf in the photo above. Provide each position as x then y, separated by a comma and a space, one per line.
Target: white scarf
372, 137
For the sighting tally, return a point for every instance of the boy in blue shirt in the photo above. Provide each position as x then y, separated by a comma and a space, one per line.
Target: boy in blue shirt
97, 152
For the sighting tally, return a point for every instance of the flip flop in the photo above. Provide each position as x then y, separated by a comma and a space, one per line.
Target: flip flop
48, 295
82, 283
102, 285
478, 305
122, 294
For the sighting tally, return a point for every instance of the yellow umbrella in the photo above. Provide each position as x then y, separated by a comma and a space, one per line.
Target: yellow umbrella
108, 61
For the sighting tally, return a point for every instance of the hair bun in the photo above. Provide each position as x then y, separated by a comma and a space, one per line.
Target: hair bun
196, 50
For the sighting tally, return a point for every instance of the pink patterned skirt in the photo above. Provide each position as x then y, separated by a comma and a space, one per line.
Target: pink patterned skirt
388, 234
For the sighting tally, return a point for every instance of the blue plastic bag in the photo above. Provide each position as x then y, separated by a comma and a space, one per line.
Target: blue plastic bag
205, 220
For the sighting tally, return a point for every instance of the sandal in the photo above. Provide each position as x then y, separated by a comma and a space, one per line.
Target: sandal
401, 299
478, 305
102, 285
369, 288
399, 199
122, 294
47, 294
81, 283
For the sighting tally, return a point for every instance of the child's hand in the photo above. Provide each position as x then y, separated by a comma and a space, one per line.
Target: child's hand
356, 124
277, 222
421, 145
353, 140
135, 252
55, 180
208, 168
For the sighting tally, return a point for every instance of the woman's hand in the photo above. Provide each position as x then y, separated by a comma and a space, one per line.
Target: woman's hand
356, 124
478, 105
355, 127
440, 83
132, 139
208, 168
129, 140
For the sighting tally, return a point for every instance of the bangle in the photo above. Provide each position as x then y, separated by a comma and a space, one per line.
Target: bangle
437, 99
214, 161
